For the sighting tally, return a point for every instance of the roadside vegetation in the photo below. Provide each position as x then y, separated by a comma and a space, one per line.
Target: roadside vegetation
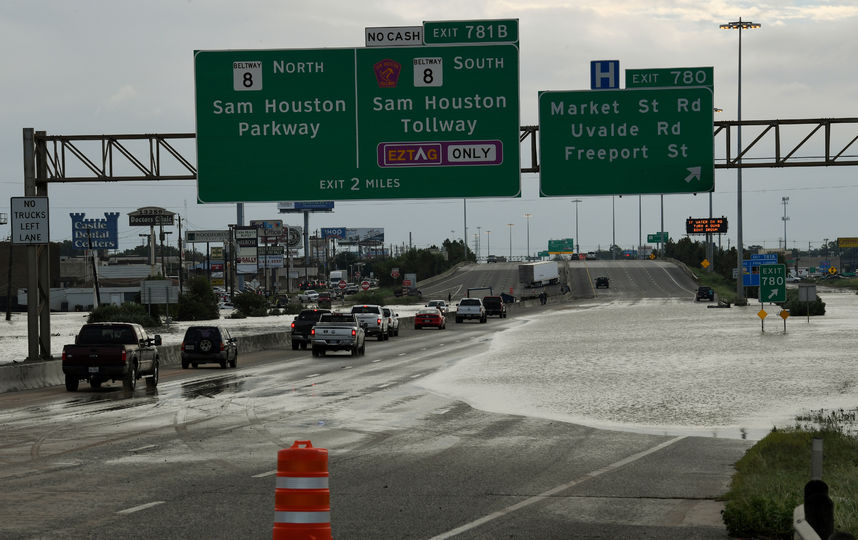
199, 303
770, 478
128, 312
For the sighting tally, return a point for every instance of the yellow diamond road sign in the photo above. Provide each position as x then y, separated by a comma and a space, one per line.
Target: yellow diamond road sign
784, 314
705, 263
762, 314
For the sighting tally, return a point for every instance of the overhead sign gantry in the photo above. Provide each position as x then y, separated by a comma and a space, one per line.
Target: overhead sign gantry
362, 123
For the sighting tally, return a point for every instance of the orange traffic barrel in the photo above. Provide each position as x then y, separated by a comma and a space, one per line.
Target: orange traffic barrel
302, 501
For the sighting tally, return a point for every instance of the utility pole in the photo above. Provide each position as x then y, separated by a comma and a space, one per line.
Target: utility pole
785, 202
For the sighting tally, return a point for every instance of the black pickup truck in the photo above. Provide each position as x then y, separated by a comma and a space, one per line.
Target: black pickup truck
111, 351
301, 326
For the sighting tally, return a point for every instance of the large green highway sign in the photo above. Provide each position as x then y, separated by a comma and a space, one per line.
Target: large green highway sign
374, 123
633, 141
773, 283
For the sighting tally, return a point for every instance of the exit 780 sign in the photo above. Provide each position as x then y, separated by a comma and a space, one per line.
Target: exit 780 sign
374, 123
773, 283
616, 142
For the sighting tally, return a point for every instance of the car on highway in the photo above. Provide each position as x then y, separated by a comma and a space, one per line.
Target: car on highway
373, 319
208, 345
301, 326
309, 295
602, 282
470, 308
430, 317
591, 256
352, 288
392, 320
494, 306
338, 332
704, 293
440, 304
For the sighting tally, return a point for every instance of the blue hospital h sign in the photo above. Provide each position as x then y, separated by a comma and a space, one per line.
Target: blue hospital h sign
604, 74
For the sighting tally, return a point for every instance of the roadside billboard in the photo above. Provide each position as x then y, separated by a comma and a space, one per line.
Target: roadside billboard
104, 233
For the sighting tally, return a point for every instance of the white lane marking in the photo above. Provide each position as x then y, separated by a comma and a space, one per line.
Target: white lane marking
415, 376
377, 360
545, 494
347, 367
442, 411
402, 354
385, 385
147, 447
141, 507
263, 475
424, 348
313, 375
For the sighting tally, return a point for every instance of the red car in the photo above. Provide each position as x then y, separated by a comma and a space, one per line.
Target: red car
430, 317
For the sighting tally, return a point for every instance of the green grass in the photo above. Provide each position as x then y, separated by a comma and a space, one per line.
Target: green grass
725, 289
770, 477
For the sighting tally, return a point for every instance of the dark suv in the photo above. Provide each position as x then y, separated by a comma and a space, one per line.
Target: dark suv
705, 293
494, 306
602, 282
209, 344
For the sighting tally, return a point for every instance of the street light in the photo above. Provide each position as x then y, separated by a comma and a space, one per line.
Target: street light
740, 288
785, 202
510, 239
577, 240
528, 216
488, 242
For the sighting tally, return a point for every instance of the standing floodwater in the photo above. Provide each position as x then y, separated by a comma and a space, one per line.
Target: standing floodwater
666, 365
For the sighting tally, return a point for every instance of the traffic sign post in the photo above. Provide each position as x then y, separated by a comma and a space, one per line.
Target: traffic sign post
30, 221
364, 285
366, 123
633, 141
773, 283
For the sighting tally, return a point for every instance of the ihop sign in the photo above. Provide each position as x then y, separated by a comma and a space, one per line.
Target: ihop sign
103, 233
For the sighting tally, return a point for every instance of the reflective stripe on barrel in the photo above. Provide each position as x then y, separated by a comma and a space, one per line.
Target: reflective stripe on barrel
302, 517
291, 482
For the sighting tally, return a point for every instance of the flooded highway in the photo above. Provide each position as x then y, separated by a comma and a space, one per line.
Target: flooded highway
666, 366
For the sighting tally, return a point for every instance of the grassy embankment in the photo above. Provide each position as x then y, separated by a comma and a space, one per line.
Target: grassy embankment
770, 478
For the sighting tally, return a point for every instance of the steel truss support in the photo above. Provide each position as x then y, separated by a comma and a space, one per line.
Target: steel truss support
821, 142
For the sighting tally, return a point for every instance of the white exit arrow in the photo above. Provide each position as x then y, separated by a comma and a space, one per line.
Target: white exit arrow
773, 293
695, 173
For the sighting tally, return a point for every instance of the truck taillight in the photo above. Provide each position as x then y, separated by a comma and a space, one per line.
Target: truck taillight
124, 355
293, 324
64, 355
312, 331
378, 322
354, 333
183, 346
222, 346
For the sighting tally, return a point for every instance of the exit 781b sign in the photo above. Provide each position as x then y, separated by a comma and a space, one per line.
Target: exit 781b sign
617, 142
374, 123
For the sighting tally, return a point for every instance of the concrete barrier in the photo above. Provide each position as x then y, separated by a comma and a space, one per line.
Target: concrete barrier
32, 375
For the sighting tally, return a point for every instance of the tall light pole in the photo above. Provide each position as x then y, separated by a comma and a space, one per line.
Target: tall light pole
785, 202
740, 288
510, 239
613, 229
528, 216
477, 242
488, 242
576, 239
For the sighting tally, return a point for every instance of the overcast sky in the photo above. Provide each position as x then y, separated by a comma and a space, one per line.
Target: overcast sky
115, 67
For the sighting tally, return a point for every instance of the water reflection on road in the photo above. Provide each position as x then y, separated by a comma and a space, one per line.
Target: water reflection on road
666, 366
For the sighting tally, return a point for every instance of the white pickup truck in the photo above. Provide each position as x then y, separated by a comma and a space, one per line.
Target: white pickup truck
373, 319
470, 308
338, 332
